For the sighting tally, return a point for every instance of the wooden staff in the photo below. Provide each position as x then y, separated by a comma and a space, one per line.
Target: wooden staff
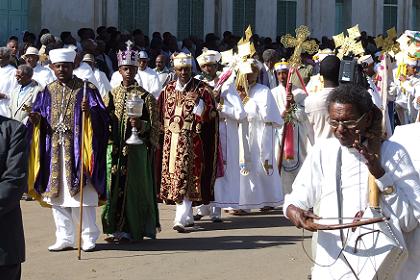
283, 136
82, 130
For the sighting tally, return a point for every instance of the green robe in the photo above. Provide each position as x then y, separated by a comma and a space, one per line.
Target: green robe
132, 203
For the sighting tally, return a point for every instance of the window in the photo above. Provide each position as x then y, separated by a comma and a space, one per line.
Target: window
243, 15
286, 17
339, 16
190, 18
134, 14
13, 19
416, 15
390, 14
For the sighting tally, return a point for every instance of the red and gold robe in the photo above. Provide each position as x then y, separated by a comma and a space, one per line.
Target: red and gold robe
189, 144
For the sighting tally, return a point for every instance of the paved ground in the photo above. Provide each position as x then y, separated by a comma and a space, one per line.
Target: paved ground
258, 246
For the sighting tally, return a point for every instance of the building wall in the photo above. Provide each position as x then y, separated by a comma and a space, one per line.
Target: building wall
319, 15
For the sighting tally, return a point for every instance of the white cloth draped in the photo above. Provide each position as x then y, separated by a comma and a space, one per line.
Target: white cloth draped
147, 79
316, 185
409, 137
227, 188
316, 109
103, 82
262, 187
303, 135
43, 75
7, 84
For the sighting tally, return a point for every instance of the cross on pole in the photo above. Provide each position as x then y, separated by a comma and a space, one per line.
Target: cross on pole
348, 44
300, 44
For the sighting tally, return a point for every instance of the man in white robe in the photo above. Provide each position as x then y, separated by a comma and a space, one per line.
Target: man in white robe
409, 137
146, 77
302, 130
344, 163
42, 75
231, 111
104, 86
161, 70
406, 89
261, 188
7, 80
315, 104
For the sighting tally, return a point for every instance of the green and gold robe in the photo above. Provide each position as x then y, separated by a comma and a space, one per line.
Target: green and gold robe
132, 205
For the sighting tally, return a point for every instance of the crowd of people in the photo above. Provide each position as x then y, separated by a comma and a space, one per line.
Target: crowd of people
216, 133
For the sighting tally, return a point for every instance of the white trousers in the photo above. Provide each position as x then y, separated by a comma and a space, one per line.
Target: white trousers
184, 213
67, 224
209, 210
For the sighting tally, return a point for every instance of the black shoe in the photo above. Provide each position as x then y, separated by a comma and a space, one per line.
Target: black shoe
198, 217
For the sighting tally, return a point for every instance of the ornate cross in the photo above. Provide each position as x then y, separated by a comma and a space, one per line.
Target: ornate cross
388, 44
347, 45
300, 44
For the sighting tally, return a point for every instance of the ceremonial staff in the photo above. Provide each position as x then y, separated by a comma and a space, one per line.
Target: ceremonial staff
300, 44
82, 131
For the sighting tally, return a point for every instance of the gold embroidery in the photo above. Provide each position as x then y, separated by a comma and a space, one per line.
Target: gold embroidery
70, 94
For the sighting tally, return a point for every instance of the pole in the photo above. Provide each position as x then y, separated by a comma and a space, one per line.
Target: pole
82, 130
288, 91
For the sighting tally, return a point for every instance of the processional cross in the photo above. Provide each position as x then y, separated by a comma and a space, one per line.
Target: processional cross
300, 44
388, 44
348, 45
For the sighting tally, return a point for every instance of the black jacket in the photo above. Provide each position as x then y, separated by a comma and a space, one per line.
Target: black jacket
13, 180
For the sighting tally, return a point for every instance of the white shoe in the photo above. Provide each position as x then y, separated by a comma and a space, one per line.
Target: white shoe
88, 247
61, 246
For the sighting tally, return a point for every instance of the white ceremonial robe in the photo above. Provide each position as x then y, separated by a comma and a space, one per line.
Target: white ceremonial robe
147, 79
303, 135
227, 188
150, 81
409, 137
316, 185
104, 86
7, 84
259, 189
317, 111
43, 75
162, 76
406, 93
85, 72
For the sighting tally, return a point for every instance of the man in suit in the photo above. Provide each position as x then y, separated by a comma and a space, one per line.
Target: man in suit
267, 76
23, 96
13, 178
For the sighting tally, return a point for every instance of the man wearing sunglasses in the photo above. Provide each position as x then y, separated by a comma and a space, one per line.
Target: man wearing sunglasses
341, 165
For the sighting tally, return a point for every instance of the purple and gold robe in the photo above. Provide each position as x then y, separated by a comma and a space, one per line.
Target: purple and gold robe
44, 165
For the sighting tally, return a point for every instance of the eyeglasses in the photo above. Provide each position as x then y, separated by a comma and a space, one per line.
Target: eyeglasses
351, 124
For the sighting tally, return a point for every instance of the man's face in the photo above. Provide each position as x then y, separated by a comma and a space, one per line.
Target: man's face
411, 70
270, 64
4, 60
282, 76
183, 73
31, 60
143, 63
13, 46
210, 69
347, 123
21, 78
252, 77
63, 71
368, 69
160, 63
128, 73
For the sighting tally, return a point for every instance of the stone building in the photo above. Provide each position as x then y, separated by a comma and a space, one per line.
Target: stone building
198, 17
